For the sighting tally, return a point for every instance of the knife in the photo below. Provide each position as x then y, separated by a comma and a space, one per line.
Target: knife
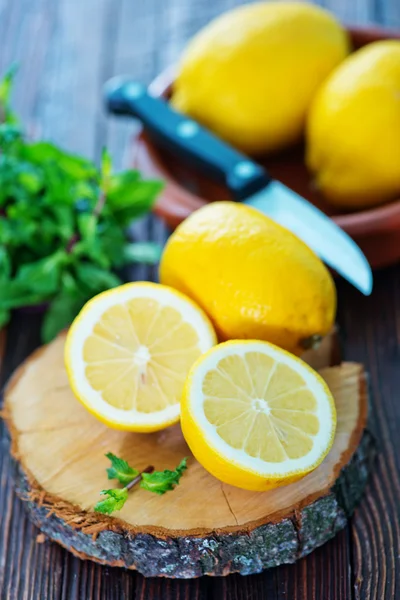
247, 181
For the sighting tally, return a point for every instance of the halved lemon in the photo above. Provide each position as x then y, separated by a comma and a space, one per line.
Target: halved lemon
256, 416
128, 353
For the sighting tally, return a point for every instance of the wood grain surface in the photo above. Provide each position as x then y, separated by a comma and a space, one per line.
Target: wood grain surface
66, 50
59, 452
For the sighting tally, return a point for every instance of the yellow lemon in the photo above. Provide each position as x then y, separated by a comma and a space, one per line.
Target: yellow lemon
253, 278
251, 74
353, 137
128, 353
256, 416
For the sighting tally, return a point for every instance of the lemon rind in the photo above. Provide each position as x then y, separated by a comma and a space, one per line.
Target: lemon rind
82, 328
290, 468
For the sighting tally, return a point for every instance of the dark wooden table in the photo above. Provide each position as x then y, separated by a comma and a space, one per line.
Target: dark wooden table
66, 50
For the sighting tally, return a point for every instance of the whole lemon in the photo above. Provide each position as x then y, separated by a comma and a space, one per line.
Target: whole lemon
251, 74
254, 279
353, 134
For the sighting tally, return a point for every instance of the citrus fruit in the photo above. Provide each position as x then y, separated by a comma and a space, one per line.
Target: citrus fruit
256, 416
251, 74
353, 134
129, 350
254, 279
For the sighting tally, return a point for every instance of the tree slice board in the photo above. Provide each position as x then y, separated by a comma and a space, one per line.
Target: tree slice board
203, 526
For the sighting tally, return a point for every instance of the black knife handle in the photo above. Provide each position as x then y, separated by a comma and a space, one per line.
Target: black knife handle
186, 138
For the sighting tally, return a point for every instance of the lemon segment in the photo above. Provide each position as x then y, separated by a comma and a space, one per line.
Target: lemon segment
128, 353
256, 416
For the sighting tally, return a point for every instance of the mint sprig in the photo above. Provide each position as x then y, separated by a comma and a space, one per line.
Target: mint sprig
158, 482
63, 223
115, 500
120, 469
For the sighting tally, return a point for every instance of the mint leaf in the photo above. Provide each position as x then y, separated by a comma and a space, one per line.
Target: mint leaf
60, 314
31, 181
111, 242
95, 279
4, 317
50, 156
9, 134
63, 308
105, 169
92, 251
43, 276
15, 294
7, 117
6, 86
131, 197
5, 264
148, 253
84, 281
5, 272
115, 501
160, 482
120, 469
70, 285
87, 226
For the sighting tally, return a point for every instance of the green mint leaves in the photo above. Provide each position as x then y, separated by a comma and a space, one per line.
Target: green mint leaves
63, 224
158, 482
115, 501
120, 469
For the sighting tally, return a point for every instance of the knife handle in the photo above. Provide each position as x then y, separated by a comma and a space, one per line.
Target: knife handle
186, 138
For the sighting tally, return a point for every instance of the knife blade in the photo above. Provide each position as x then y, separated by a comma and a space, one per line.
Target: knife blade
247, 181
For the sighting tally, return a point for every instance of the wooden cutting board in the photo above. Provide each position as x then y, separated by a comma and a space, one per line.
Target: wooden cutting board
203, 526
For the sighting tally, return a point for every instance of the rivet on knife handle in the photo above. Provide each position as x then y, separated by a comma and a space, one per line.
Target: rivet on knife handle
186, 138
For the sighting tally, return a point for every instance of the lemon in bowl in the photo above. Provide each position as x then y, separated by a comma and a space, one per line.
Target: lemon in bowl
251, 74
353, 130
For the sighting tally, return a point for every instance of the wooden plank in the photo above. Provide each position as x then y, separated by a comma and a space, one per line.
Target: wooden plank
322, 575
17, 535
3, 338
388, 13
356, 12
374, 338
25, 29
80, 48
173, 589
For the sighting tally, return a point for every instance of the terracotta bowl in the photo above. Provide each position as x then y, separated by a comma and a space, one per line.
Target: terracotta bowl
376, 230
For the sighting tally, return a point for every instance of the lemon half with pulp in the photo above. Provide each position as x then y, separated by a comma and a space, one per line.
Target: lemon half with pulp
256, 416
128, 353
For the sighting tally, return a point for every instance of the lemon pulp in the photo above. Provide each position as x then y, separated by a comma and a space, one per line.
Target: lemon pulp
129, 351
269, 414
138, 355
256, 416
